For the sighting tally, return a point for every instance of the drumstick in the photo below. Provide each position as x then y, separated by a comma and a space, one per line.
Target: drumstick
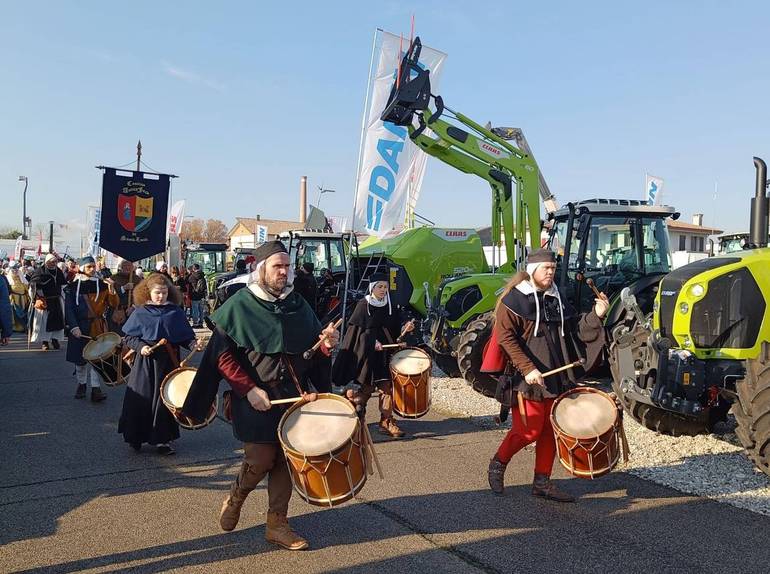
590, 283
286, 401
393, 345
577, 363
309, 353
158, 345
371, 449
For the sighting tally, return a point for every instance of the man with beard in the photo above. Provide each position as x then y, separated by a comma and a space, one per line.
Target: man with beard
87, 299
260, 335
46, 285
124, 282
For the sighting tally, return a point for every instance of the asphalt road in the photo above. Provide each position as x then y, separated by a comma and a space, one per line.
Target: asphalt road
75, 498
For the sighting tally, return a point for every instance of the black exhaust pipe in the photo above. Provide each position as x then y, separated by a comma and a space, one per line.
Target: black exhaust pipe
760, 207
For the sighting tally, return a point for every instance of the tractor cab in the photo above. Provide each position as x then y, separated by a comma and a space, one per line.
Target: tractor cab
616, 243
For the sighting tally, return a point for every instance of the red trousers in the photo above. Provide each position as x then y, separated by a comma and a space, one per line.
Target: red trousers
538, 430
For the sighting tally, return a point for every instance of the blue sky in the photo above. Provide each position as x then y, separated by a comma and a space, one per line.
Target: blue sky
240, 99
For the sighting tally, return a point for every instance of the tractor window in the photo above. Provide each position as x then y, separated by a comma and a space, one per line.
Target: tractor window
336, 257
657, 254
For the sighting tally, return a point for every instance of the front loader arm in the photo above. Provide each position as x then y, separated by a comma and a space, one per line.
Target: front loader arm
473, 149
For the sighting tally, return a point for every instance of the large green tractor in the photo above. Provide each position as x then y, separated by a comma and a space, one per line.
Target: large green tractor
706, 347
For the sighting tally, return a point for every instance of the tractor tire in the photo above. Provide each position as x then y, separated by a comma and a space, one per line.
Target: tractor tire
447, 363
668, 423
752, 412
470, 353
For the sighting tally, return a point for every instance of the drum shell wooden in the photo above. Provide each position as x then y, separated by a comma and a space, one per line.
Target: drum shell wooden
588, 457
332, 478
411, 392
109, 365
176, 411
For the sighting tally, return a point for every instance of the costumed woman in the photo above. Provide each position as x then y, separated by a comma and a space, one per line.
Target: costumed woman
19, 297
535, 331
361, 357
87, 298
46, 284
157, 315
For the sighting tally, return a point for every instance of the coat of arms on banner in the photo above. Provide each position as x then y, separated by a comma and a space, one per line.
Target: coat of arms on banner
134, 207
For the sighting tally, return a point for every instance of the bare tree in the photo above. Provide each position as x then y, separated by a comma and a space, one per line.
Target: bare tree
192, 231
216, 231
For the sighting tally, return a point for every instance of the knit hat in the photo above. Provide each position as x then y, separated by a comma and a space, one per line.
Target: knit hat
267, 249
87, 260
50, 257
538, 257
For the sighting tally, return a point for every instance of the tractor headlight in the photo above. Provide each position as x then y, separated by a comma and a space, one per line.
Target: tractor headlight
697, 290
683, 308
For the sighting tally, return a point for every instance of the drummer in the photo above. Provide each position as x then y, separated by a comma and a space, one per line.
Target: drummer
157, 315
537, 332
87, 298
361, 357
260, 335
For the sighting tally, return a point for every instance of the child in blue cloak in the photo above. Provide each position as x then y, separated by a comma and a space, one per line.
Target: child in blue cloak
157, 315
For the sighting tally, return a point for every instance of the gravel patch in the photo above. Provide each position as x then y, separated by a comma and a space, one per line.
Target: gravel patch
712, 466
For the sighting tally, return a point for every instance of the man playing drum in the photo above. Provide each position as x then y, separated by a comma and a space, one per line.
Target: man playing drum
86, 301
538, 332
362, 359
260, 336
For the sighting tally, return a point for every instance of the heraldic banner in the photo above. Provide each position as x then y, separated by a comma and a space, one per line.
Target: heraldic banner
134, 213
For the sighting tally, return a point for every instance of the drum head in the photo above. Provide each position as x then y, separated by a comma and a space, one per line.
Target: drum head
177, 386
319, 427
410, 362
102, 345
585, 415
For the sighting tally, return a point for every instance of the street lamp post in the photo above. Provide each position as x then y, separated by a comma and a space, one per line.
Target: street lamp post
25, 179
321, 191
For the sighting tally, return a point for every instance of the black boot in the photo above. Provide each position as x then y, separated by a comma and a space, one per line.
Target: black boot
496, 475
55, 343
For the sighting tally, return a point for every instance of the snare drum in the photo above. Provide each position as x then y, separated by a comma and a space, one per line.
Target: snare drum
173, 392
324, 449
104, 353
410, 369
587, 425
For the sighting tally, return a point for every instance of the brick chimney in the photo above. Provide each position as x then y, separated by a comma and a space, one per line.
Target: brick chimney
697, 219
303, 199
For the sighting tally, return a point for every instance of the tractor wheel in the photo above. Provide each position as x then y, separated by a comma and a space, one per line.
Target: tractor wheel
669, 423
752, 411
470, 353
447, 363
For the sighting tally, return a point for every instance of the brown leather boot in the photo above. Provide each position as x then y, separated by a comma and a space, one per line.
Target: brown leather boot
278, 531
231, 508
388, 427
97, 395
80, 392
543, 487
496, 475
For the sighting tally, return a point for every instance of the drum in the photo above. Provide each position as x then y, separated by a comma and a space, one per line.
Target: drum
173, 392
587, 425
104, 353
410, 369
325, 450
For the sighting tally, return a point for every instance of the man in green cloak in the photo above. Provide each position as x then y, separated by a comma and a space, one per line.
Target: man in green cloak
257, 346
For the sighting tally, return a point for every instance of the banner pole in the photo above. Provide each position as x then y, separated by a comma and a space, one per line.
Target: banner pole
358, 179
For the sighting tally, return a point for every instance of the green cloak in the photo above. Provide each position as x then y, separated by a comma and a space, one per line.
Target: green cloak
283, 326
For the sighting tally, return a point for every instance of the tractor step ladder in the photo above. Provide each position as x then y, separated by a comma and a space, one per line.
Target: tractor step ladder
370, 268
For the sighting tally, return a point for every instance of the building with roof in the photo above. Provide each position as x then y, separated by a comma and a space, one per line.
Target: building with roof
689, 241
243, 233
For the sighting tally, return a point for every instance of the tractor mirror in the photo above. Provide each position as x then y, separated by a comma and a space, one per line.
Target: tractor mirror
583, 225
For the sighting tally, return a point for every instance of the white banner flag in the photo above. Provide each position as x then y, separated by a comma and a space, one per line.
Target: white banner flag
261, 234
392, 167
94, 224
17, 249
653, 189
175, 218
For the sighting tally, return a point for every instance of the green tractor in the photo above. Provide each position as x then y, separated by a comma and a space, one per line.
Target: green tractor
706, 347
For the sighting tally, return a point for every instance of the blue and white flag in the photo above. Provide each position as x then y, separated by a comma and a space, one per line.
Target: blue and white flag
392, 167
653, 189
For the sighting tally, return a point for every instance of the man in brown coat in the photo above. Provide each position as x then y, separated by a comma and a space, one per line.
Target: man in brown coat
538, 332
